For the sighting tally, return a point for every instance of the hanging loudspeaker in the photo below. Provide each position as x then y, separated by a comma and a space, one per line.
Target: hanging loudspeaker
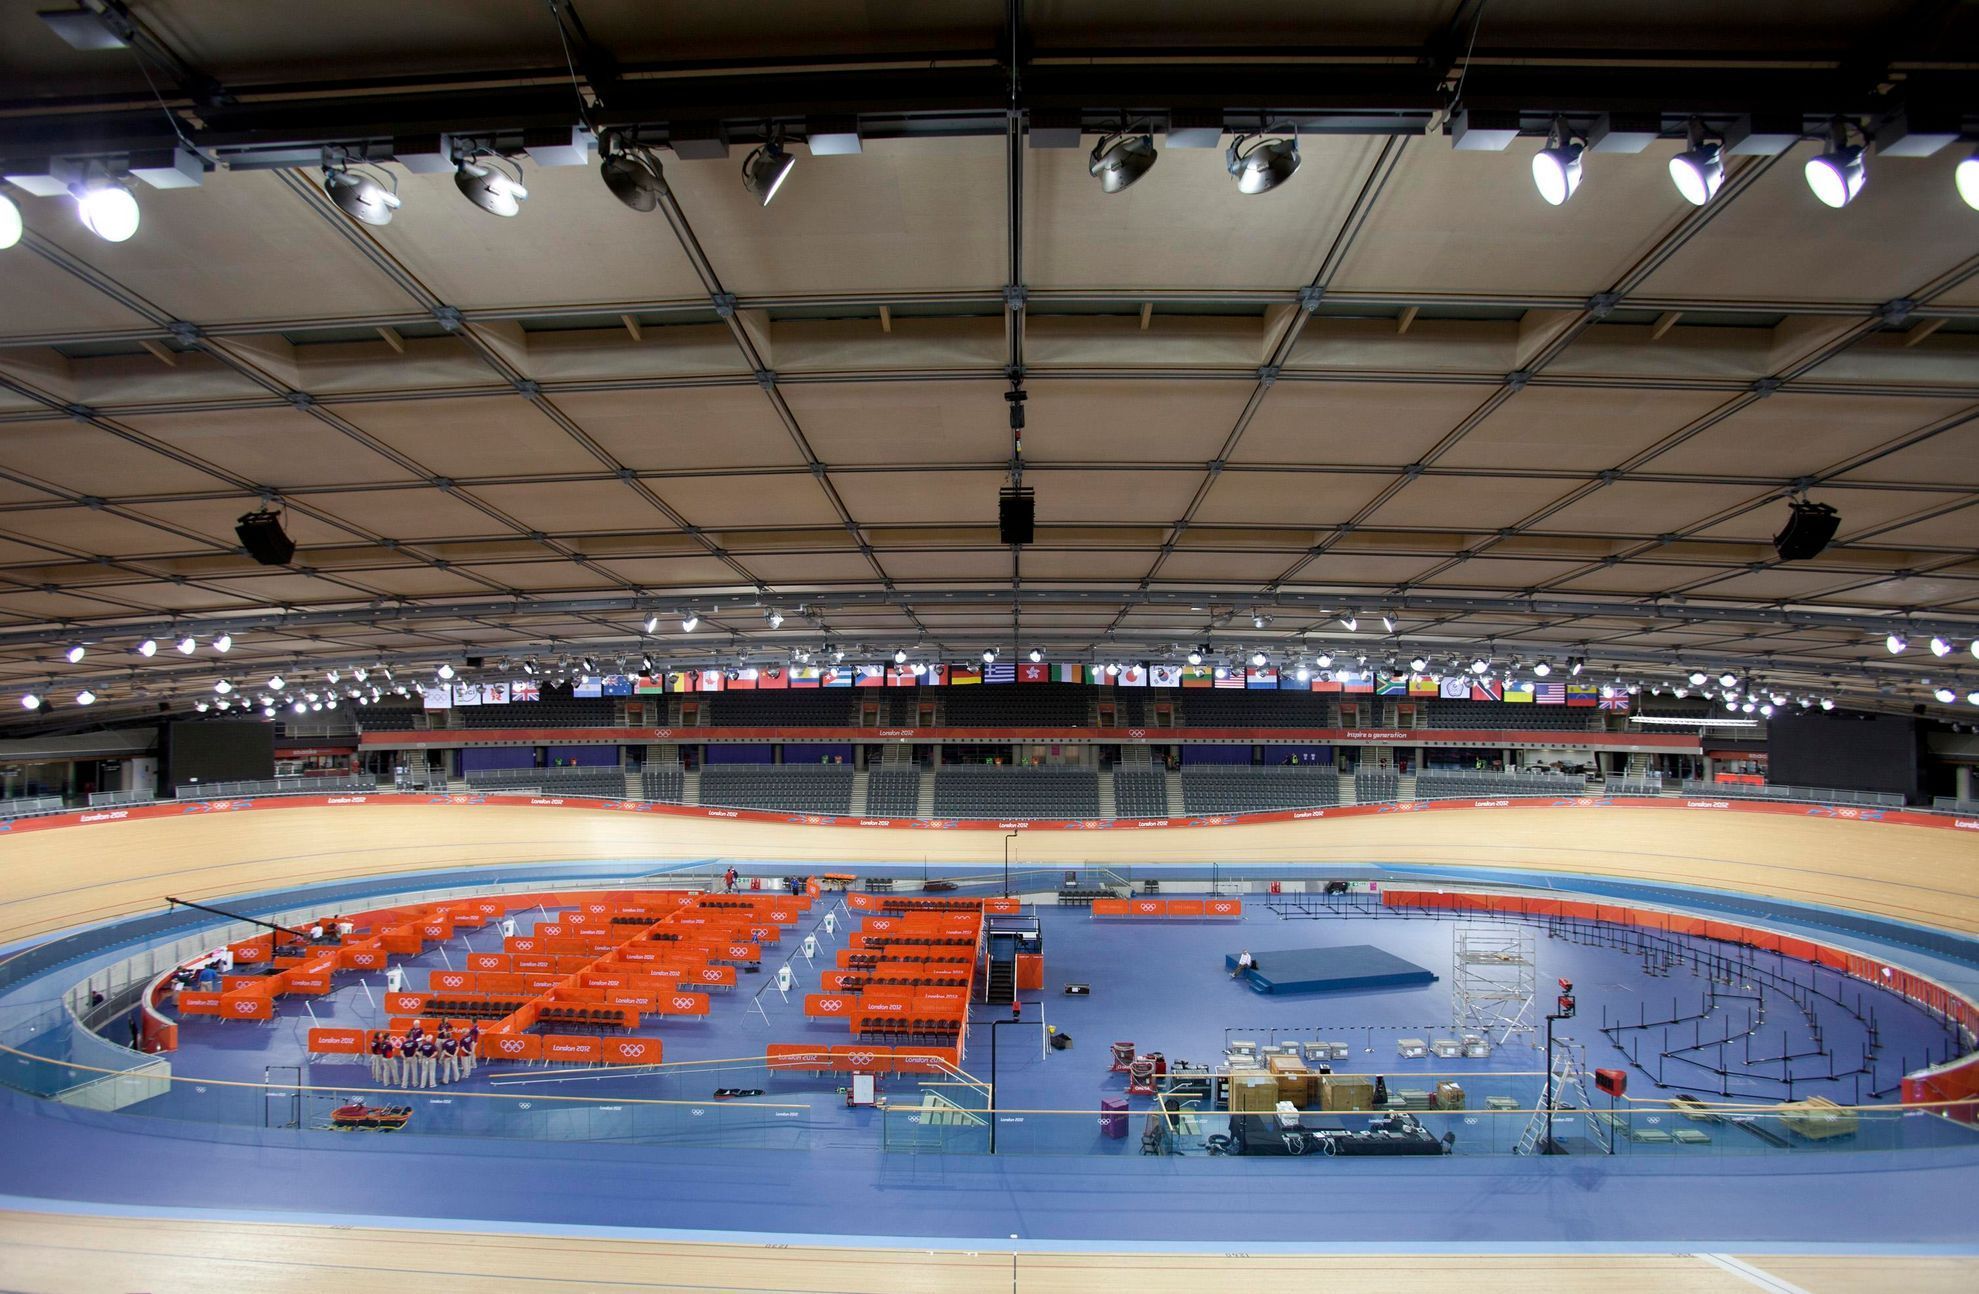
261, 534
1809, 528
1016, 515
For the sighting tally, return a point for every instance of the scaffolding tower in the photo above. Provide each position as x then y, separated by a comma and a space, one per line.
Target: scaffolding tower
1494, 979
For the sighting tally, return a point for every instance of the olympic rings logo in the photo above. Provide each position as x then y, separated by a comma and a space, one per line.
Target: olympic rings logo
683, 1003
510, 1046
243, 1008
830, 1004
632, 1050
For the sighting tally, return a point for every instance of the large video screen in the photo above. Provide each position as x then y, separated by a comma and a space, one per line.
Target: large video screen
216, 751
1862, 752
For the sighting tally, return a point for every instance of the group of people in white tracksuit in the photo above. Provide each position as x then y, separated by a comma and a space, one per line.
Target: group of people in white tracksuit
421, 1059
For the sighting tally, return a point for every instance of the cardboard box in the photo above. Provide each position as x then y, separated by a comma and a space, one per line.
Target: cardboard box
1346, 1092
1449, 1096
1254, 1094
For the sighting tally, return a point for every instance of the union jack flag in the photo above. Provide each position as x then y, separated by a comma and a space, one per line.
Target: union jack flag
1619, 701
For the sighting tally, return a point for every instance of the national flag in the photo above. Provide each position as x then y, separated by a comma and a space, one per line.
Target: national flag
525, 690
1197, 676
1488, 689
902, 676
437, 696
1261, 676
1132, 676
587, 686
1456, 688
1587, 694
1033, 672
1095, 675
615, 685
1068, 673
647, 684
1350, 681
963, 675
1549, 693
1229, 678
494, 693
682, 680
1422, 685
999, 672
837, 676
710, 680
1164, 676
1518, 694
1619, 701
806, 676
743, 680
1323, 684
775, 678
1391, 685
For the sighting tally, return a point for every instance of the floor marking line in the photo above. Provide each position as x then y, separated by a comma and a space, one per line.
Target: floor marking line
1752, 1275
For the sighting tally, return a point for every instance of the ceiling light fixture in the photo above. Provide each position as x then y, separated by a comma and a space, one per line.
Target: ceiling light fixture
1542, 668
485, 183
10, 221
1966, 177
1896, 644
688, 622
358, 195
276, 683
1261, 162
1258, 659
652, 623
1418, 664
1325, 660
1700, 168
1837, 174
186, 645
1945, 695
1350, 622
1556, 167
1576, 664
106, 208
223, 687
1119, 159
445, 670
30, 702
630, 171
1036, 656
77, 652
775, 618
1194, 658
85, 697
900, 656
148, 648
1939, 647
766, 168
223, 644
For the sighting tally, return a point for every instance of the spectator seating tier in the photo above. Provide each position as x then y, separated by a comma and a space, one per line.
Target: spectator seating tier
893, 791
1239, 788
1015, 791
802, 788
1140, 792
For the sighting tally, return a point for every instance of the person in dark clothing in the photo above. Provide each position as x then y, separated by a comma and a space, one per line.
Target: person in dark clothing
137, 1029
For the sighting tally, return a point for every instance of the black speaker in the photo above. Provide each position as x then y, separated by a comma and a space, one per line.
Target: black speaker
1016, 515
261, 534
1809, 528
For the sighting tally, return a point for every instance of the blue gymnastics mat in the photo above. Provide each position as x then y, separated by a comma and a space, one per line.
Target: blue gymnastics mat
1327, 970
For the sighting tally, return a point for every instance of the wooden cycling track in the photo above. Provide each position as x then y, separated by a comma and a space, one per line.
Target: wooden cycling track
55, 879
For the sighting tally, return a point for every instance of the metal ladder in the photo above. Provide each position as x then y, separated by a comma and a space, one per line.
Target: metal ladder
1563, 1080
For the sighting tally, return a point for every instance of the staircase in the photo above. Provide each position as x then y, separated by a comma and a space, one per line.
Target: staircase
924, 800
1002, 986
857, 807
1175, 803
635, 789
690, 787
1108, 806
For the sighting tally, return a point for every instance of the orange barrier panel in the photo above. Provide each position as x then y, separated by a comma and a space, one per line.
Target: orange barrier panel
249, 951
682, 1004
1185, 907
1223, 908
862, 1060
246, 1005
451, 981
830, 1004
796, 1056
924, 1060
717, 976
630, 1051
405, 1003
312, 980
1030, 971
338, 1042
510, 1046
361, 957
190, 1003
1147, 907
1109, 907
641, 1002
488, 962
569, 1047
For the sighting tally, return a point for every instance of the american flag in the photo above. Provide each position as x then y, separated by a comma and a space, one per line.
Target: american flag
1000, 672
1549, 693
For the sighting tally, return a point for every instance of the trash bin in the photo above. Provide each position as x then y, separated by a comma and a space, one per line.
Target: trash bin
1113, 1117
